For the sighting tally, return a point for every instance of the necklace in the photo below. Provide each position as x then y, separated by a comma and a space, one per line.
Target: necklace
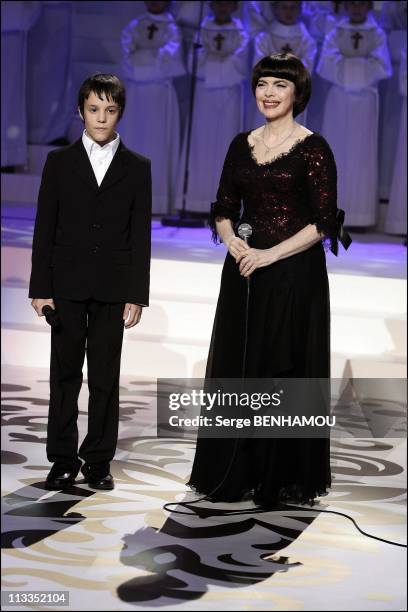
269, 148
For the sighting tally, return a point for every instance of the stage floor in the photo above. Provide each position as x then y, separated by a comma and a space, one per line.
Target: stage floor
120, 550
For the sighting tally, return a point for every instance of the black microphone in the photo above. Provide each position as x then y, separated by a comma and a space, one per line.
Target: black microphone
51, 316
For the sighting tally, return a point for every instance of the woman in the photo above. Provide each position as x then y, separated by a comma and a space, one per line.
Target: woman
286, 177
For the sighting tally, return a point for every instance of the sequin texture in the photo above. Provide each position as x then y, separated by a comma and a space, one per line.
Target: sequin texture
280, 197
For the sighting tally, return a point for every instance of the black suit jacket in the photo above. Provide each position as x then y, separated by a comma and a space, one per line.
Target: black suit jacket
92, 241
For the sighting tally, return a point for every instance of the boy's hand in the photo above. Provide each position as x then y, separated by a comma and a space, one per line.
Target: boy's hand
132, 314
39, 303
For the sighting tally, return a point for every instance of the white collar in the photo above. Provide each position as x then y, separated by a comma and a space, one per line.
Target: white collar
209, 24
280, 29
161, 17
90, 145
369, 24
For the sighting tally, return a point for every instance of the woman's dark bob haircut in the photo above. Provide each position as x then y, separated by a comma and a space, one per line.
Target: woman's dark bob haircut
286, 66
106, 84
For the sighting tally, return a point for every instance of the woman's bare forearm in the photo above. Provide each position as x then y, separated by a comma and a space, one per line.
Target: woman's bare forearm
301, 241
225, 230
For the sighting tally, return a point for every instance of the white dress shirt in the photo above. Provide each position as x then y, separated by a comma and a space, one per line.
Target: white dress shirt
100, 157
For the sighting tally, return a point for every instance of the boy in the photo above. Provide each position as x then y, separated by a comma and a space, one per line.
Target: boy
90, 263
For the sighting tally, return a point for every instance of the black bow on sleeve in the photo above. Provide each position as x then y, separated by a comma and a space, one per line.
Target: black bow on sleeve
342, 234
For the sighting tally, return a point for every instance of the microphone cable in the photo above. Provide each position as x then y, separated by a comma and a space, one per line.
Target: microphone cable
244, 232
206, 513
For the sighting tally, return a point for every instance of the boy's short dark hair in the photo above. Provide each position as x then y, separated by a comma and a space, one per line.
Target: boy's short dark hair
107, 84
286, 66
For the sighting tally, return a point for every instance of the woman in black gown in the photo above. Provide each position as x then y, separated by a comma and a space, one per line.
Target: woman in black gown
285, 176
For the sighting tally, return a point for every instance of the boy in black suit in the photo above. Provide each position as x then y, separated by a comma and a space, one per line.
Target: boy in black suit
90, 263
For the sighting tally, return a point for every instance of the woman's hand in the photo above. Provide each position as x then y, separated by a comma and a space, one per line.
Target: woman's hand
236, 245
252, 259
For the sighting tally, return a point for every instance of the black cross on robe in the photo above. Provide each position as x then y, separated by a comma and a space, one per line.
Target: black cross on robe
219, 39
357, 37
152, 29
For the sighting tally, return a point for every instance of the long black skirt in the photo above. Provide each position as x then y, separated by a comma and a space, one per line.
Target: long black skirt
288, 336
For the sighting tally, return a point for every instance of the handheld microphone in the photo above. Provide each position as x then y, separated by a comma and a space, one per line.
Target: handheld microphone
245, 231
51, 316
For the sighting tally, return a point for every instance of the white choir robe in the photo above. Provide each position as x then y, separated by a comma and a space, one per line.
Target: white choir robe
16, 20
187, 16
396, 219
390, 111
151, 123
279, 38
218, 110
354, 58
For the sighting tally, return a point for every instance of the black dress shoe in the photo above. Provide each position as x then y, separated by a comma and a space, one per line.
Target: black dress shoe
98, 476
62, 475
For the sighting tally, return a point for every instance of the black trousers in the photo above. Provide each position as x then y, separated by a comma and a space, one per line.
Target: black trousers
94, 328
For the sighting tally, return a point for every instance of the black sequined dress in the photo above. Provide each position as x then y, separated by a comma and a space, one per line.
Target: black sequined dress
289, 317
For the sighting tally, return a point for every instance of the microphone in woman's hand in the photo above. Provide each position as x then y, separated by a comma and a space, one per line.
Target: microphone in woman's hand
51, 316
245, 231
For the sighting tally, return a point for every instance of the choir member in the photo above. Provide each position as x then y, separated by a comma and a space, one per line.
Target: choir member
152, 58
286, 34
354, 59
222, 67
